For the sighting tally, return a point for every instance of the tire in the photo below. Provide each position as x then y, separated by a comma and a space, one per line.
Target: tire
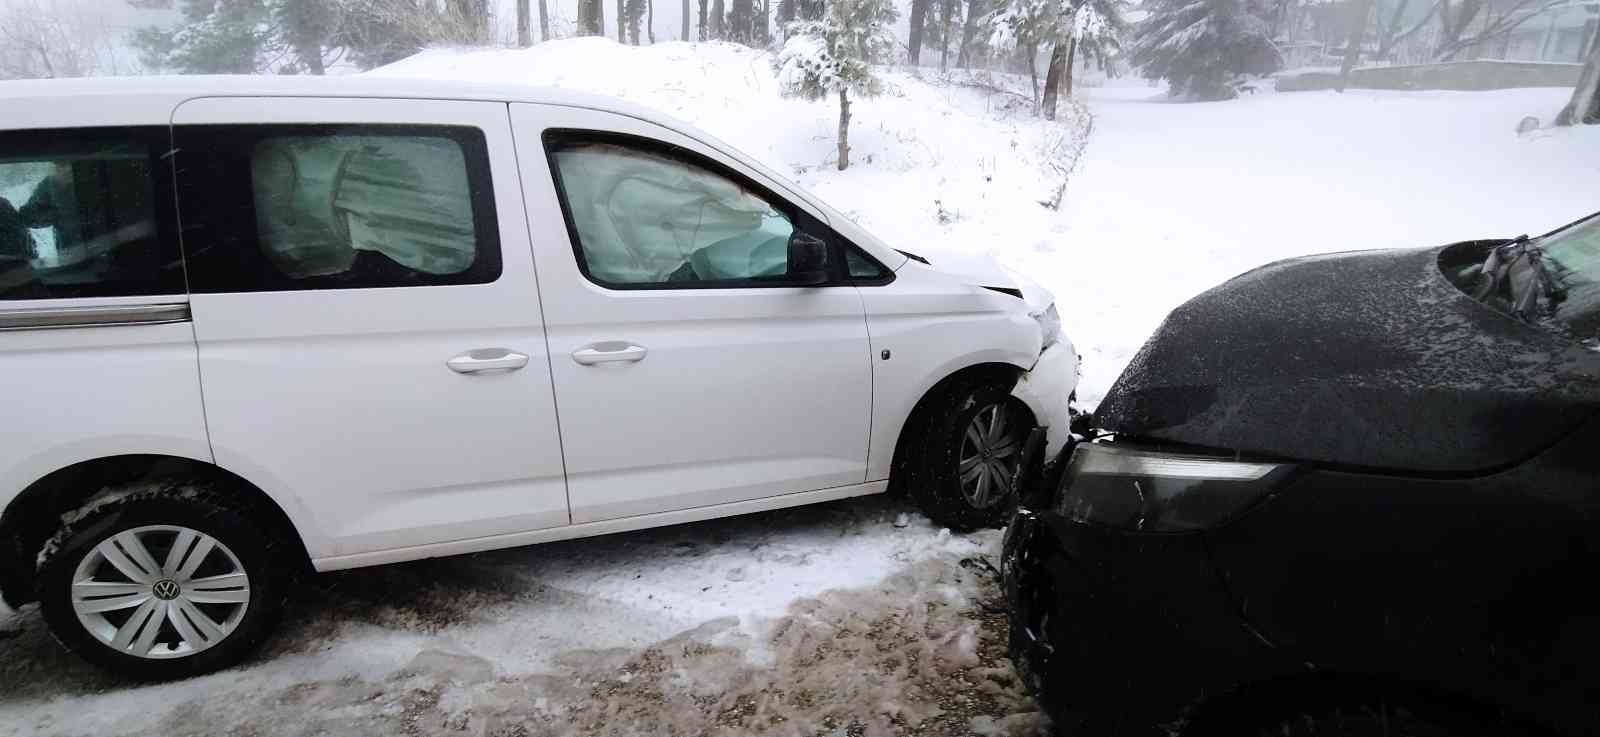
213, 604
941, 462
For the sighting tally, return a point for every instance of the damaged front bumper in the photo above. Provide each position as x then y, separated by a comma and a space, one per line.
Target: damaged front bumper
1048, 388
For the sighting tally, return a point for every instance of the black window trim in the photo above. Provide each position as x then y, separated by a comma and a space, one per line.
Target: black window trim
480, 184
838, 270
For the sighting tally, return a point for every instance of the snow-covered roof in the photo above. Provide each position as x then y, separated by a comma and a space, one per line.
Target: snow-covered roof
42, 103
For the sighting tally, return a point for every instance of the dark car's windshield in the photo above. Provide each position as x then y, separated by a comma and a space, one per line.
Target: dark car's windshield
1572, 257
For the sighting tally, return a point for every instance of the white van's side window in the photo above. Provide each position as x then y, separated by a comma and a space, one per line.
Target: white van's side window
81, 215
641, 217
329, 207
320, 200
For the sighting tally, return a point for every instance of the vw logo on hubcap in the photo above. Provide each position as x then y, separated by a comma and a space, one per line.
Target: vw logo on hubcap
166, 589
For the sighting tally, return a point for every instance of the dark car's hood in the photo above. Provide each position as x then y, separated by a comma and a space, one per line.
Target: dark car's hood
1368, 359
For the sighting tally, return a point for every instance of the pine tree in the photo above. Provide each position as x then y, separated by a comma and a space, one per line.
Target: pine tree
215, 37
1201, 47
307, 27
833, 56
1064, 26
1024, 25
1094, 25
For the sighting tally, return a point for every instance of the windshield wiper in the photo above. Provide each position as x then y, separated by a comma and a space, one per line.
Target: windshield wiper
1519, 264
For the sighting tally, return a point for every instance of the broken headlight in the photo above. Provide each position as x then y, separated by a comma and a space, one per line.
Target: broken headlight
1150, 491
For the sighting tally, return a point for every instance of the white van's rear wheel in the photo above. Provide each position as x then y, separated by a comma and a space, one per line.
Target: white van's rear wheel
160, 584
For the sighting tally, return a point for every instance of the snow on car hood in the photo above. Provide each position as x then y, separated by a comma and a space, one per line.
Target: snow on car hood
1368, 359
982, 270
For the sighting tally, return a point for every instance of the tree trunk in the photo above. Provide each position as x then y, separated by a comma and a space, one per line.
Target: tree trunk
1052, 78
1066, 78
719, 17
589, 20
968, 28
844, 129
544, 21
650, 21
703, 36
947, 8
1033, 74
685, 36
524, 25
739, 21
1352, 46
919, 15
621, 16
1585, 104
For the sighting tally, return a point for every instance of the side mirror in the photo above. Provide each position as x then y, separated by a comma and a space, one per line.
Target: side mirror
808, 260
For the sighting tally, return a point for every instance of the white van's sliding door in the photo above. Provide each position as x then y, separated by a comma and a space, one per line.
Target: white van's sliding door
370, 335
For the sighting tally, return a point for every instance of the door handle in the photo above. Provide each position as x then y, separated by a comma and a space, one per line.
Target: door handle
609, 352
487, 359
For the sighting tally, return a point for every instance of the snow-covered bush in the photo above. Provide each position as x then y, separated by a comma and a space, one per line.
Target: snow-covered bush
833, 56
1202, 46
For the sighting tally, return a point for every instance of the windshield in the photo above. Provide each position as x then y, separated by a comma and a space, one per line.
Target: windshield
1572, 258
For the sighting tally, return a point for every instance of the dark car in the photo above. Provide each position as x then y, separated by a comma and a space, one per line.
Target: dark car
1346, 494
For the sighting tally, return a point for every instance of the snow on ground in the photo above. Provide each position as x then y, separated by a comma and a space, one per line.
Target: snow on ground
835, 618
798, 622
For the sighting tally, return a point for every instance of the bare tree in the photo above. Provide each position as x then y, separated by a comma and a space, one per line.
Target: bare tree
544, 21
1498, 23
685, 35
719, 18
524, 25
46, 38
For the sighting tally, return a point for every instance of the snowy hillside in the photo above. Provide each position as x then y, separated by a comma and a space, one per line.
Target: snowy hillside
1167, 200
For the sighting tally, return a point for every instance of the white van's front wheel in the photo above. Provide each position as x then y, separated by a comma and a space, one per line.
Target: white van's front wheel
962, 475
160, 583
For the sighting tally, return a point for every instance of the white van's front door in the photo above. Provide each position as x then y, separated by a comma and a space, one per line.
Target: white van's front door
690, 370
367, 315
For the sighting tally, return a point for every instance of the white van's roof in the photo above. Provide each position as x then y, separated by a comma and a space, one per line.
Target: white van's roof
94, 101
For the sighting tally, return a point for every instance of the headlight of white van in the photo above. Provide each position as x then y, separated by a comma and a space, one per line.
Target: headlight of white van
1049, 325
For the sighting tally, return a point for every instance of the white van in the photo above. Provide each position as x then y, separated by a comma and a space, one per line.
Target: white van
253, 326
